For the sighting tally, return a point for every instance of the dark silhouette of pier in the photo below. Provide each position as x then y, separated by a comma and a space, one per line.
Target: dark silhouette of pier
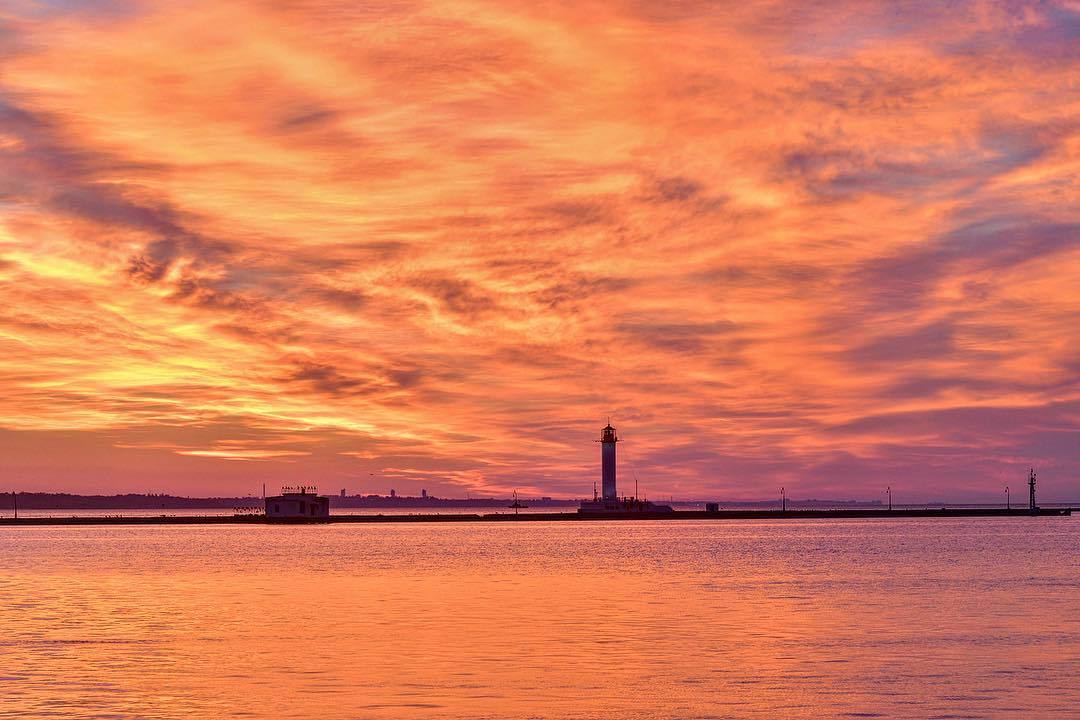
676, 516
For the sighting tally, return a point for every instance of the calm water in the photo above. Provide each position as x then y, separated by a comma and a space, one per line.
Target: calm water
757, 619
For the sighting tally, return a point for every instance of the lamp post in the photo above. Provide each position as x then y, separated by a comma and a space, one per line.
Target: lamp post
888, 491
783, 500
15, 503
1007, 506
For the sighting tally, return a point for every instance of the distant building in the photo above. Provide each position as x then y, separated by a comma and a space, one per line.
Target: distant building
393, 492
423, 493
298, 504
342, 492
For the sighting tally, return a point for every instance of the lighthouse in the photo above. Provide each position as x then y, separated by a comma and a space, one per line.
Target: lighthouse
608, 438
1032, 507
610, 504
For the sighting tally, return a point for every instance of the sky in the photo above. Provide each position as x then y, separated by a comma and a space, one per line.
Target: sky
831, 246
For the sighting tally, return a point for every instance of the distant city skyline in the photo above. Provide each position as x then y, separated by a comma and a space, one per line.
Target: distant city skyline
830, 247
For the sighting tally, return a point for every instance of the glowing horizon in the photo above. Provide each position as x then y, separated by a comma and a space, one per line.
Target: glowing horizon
832, 247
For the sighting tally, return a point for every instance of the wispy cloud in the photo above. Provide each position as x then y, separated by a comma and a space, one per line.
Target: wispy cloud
822, 243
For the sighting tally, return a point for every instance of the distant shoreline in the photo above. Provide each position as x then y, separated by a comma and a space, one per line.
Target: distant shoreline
132, 501
68, 501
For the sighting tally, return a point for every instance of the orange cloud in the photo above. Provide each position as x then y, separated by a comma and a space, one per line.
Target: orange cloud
825, 247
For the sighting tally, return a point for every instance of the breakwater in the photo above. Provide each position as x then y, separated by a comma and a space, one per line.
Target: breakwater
676, 516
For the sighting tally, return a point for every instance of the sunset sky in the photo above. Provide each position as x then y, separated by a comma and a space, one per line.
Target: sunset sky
827, 245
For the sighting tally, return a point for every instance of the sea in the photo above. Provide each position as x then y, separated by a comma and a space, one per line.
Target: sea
864, 618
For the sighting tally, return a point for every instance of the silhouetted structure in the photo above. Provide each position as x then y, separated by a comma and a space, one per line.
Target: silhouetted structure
517, 505
609, 500
608, 438
300, 503
1032, 507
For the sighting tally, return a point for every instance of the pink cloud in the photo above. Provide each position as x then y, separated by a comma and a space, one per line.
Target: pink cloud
822, 244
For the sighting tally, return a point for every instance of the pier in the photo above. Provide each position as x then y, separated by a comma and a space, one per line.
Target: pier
676, 516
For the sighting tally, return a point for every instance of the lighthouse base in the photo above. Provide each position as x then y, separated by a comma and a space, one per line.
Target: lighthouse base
622, 506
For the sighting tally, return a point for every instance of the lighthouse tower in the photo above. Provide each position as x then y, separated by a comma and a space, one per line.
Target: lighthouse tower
1032, 507
608, 438
610, 503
